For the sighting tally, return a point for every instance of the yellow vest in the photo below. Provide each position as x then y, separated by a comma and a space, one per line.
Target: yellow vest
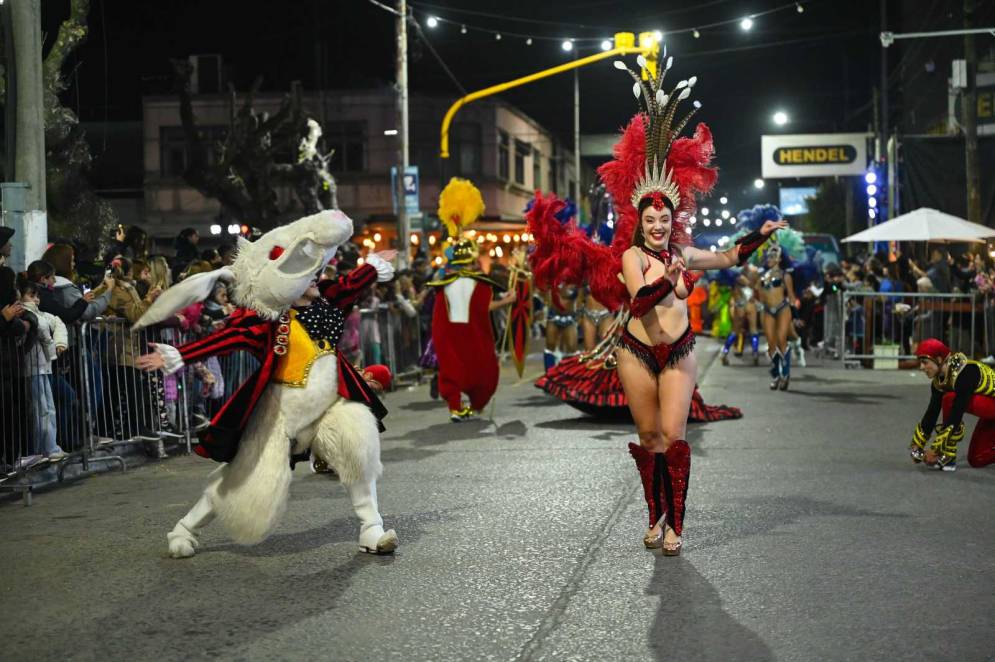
293, 368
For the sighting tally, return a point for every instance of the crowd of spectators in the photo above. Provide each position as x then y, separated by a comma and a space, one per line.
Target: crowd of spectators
49, 380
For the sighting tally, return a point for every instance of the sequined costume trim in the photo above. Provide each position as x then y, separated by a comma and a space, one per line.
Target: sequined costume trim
562, 320
774, 310
658, 357
594, 315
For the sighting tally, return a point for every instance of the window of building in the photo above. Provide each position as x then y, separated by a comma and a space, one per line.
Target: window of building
503, 155
554, 183
466, 148
348, 140
536, 170
174, 157
522, 150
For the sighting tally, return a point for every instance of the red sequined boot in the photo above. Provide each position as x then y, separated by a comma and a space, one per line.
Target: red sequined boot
675, 482
646, 464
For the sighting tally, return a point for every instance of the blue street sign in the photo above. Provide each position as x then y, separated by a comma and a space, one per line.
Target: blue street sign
410, 184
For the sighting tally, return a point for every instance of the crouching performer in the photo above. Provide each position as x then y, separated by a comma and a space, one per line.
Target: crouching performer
958, 386
304, 397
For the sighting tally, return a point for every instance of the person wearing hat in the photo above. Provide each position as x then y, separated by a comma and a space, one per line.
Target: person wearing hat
461, 324
958, 386
5, 246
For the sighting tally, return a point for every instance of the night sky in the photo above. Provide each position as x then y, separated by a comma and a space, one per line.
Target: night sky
819, 66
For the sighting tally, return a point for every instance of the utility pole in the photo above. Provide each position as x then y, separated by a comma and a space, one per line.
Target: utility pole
577, 140
969, 108
403, 224
29, 131
882, 146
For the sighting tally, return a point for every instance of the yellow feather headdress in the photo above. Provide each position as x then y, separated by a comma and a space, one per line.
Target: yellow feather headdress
460, 204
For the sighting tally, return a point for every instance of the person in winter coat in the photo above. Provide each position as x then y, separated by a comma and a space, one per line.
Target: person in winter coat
132, 406
17, 328
60, 296
50, 341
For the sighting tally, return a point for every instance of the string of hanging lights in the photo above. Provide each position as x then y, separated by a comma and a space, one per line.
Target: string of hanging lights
745, 23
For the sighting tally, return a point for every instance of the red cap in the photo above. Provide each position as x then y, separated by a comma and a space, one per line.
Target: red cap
380, 374
931, 348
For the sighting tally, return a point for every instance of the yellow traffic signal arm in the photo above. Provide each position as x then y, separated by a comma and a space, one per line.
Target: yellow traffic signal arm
648, 51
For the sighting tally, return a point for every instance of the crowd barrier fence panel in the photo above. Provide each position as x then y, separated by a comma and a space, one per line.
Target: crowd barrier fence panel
388, 336
887, 326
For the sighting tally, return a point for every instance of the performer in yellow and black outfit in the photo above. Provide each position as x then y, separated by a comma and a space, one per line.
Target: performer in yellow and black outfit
959, 386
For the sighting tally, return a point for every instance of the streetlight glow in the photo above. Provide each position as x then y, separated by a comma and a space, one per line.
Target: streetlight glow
780, 118
872, 202
704, 211
870, 178
723, 200
606, 45
432, 22
746, 24
725, 213
567, 45
758, 183
872, 189
658, 35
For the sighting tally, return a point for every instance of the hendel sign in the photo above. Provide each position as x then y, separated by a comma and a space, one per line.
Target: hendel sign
813, 155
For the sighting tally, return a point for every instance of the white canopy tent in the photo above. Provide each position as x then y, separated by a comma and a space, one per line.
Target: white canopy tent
925, 224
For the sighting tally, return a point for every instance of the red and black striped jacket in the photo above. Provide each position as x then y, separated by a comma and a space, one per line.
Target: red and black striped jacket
247, 331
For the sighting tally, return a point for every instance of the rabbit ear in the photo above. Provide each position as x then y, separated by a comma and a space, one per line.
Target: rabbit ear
185, 293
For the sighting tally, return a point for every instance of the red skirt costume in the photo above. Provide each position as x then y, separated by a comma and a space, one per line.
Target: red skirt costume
467, 358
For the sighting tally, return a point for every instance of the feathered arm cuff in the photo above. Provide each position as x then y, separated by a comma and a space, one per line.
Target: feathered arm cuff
649, 295
747, 245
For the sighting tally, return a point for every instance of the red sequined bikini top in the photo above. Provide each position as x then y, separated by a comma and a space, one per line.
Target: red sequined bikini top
666, 256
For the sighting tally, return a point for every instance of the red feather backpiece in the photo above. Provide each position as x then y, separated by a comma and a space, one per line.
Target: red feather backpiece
564, 254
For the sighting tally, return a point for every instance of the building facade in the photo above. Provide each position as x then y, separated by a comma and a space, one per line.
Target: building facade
506, 153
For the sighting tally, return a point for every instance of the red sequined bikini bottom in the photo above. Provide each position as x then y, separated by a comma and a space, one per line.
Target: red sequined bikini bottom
658, 357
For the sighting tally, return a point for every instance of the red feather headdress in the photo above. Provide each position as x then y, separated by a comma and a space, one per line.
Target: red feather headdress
649, 160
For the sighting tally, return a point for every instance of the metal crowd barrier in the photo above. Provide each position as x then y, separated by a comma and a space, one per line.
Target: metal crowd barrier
886, 327
389, 336
93, 401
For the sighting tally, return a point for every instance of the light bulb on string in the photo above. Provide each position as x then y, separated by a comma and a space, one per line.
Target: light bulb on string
528, 42
432, 22
462, 29
606, 45
567, 45
799, 7
696, 34
746, 24
497, 36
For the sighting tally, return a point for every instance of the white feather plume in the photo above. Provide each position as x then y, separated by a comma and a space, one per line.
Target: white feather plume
641, 61
620, 65
635, 89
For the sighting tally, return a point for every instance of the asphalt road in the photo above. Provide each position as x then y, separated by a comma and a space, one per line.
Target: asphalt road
809, 536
